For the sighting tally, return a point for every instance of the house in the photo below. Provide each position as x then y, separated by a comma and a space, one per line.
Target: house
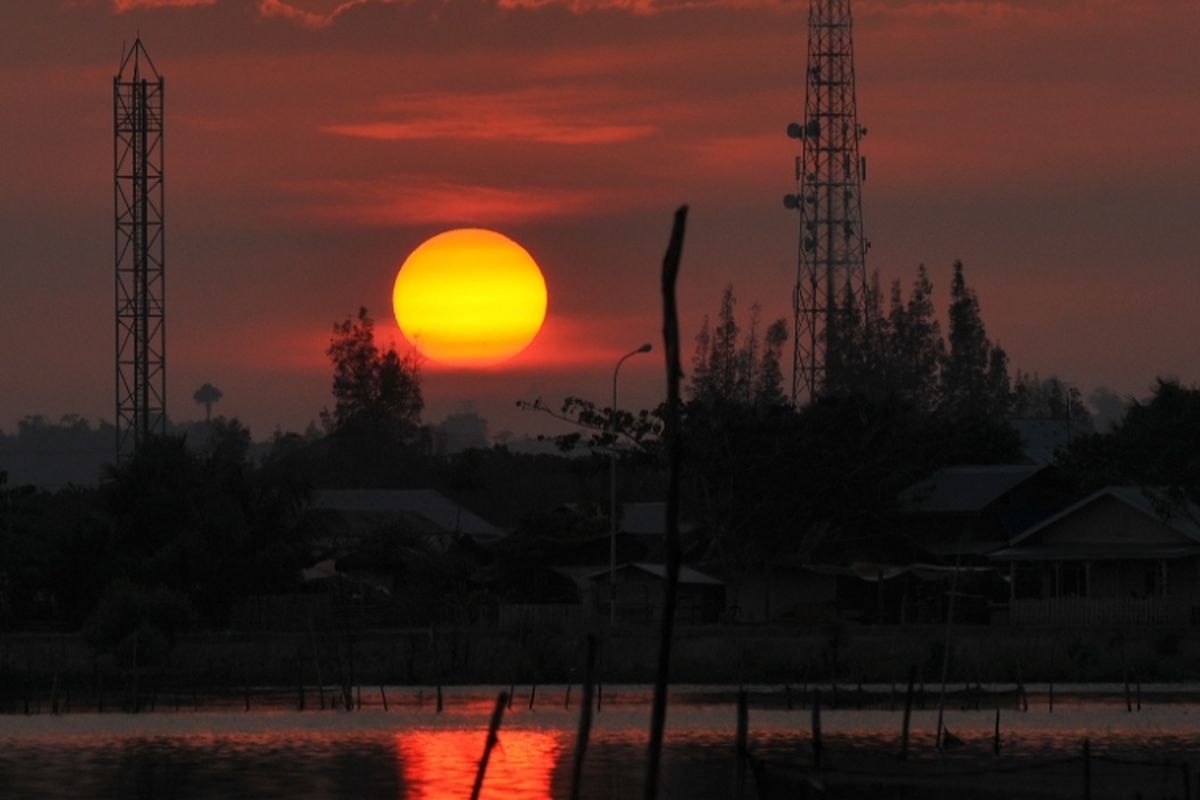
963, 513
937, 546
700, 598
437, 514
399, 556
1112, 558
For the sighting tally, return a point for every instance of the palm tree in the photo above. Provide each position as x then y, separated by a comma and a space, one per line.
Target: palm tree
206, 395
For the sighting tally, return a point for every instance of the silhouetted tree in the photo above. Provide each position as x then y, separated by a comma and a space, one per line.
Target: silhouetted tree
730, 370
974, 371
915, 350
206, 395
768, 380
1156, 445
377, 393
1051, 398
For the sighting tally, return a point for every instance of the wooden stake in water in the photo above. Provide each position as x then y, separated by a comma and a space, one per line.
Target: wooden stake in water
946, 647
567, 698
532, 695
908, 704
816, 728
1128, 697
743, 751
493, 728
1051, 697
1087, 770
585, 719
996, 735
1022, 696
439, 698
383, 696
672, 440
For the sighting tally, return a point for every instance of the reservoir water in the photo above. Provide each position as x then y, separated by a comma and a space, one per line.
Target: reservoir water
411, 752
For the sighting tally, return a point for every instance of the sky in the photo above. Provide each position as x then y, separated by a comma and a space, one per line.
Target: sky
312, 144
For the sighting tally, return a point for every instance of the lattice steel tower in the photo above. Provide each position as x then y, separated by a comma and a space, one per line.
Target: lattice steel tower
829, 174
140, 250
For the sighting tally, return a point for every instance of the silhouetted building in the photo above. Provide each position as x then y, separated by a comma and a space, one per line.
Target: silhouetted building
1114, 557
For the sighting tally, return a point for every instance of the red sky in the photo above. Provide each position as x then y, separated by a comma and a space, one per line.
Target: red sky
311, 144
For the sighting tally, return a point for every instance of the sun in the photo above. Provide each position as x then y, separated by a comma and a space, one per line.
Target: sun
469, 297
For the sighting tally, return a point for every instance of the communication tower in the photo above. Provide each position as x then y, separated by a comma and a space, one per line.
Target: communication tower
829, 175
140, 251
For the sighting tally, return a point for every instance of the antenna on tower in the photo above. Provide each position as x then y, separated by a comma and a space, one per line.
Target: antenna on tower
140, 251
829, 175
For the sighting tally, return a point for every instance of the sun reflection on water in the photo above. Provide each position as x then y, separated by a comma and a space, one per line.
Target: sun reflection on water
442, 764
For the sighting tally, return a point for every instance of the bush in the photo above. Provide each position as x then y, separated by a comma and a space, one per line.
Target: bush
136, 624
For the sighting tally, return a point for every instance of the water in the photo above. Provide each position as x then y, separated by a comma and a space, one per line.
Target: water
412, 753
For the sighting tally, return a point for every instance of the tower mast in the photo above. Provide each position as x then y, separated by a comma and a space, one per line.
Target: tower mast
140, 251
829, 176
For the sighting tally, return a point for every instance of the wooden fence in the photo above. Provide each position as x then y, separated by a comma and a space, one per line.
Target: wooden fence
1099, 611
563, 616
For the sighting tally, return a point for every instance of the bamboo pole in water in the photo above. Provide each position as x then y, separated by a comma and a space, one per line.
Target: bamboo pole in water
739, 780
946, 646
1087, 770
908, 704
671, 434
493, 727
816, 729
585, 719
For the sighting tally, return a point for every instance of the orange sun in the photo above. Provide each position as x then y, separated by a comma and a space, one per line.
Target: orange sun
470, 297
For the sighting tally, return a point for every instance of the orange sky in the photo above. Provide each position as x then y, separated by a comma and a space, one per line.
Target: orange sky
311, 144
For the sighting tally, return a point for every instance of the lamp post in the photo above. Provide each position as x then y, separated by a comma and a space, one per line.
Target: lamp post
612, 494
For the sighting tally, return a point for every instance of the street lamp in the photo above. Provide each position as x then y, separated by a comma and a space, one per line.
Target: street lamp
612, 494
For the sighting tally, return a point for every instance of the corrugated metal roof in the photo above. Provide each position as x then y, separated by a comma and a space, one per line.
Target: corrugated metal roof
1107, 552
433, 506
647, 519
965, 489
687, 575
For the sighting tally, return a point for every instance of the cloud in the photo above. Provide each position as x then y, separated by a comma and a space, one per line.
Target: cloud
320, 14
310, 19
418, 201
123, 6
530, 129
570, 115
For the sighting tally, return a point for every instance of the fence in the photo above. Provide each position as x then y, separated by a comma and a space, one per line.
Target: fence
543, 616
1096, 611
